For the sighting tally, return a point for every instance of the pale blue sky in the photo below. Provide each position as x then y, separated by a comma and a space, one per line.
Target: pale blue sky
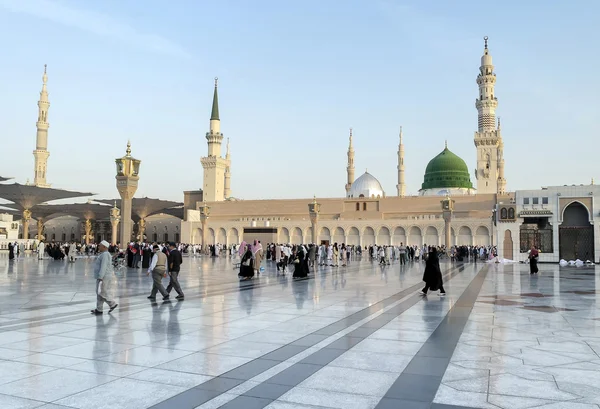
294, 76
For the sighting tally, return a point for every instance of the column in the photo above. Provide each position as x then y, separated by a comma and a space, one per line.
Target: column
40, 228
26, 219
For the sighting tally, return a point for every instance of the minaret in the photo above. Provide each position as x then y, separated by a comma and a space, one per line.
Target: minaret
41, 153
214, 165
487, 137
401, 186
350, 167
227, 188
501, 179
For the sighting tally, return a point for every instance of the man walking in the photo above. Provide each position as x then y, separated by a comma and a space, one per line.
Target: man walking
402, 251
175, 261
102, 274
158, 268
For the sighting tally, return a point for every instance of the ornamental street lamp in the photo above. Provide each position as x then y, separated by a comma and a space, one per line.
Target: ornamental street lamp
204, 215
447, 210
127, 177
313, 210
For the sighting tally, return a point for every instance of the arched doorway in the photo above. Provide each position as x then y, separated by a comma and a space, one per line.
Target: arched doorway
576, 234
383, 237
465, 237
233, 237
432, 236
368, 236
324, 236
415, 237
338, 235
210, 237
482, 236
284, 236
353, 236
508, 245
399, 236
222, 236
296, 235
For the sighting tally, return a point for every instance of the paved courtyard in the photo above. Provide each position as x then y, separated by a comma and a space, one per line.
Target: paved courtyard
351, 338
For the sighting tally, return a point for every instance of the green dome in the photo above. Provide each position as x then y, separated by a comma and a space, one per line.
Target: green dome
446, 170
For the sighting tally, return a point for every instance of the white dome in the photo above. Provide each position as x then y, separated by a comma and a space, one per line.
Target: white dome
366, 186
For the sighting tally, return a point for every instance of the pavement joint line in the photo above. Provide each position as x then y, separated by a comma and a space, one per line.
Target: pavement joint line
186, 400
429, 364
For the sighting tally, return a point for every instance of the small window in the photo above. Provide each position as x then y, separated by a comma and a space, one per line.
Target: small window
166, 237
357, 206
525, 200
544, 200
364, 206
536, 200
503, 213
511, 213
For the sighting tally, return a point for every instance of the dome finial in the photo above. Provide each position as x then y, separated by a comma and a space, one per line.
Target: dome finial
128, 150
446, 144
216, 81
485, 40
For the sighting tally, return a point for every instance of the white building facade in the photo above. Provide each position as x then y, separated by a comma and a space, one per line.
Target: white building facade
561, 221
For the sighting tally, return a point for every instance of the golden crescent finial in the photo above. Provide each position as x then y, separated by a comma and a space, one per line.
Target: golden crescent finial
485, 39
216, 81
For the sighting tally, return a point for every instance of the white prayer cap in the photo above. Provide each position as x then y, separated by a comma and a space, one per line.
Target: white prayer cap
105, 243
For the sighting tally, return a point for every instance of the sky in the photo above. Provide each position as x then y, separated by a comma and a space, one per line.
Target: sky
294, 76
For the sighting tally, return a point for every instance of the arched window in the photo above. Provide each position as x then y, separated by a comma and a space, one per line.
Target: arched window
503, 213
364, 206
357, 206
511, 213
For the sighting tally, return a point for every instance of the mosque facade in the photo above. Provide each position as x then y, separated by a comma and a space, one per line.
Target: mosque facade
366, 215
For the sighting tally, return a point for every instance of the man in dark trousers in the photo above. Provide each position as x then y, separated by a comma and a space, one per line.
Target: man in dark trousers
175, 261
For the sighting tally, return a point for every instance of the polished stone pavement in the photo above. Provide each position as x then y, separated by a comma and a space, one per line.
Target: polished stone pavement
349, 338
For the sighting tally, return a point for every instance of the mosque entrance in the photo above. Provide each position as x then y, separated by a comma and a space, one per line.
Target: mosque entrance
576, 234
325, 242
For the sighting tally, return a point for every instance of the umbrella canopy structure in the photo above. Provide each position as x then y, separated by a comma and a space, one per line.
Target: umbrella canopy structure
173, 211
86, 211
25, 197
143, 207
3, 179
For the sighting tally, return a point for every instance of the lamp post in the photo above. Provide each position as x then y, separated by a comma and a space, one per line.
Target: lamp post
127, 177
204, 214
447, 209
313, 210
115, 218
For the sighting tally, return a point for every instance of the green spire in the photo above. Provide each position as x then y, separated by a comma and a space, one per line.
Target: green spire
215, 108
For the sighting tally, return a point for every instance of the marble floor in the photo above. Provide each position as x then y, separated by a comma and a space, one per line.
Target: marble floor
358, 337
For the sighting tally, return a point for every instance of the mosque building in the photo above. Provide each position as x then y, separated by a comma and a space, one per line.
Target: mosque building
366, 214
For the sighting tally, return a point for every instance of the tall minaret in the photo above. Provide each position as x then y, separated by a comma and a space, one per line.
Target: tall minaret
350, 167
214, 165
41, 153
501, 179
401, 186
227, 188
487, 137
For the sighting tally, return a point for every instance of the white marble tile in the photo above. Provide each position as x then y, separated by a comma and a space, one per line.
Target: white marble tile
324, 398
122, 393
347, 380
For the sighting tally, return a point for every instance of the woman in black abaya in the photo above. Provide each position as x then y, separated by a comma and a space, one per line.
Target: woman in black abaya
433, 275
246, 264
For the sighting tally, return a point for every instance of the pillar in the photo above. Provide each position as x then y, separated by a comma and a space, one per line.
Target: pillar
126, 222
88, 231
448, 232
313, 209
142, 228
40, 228
26, 219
